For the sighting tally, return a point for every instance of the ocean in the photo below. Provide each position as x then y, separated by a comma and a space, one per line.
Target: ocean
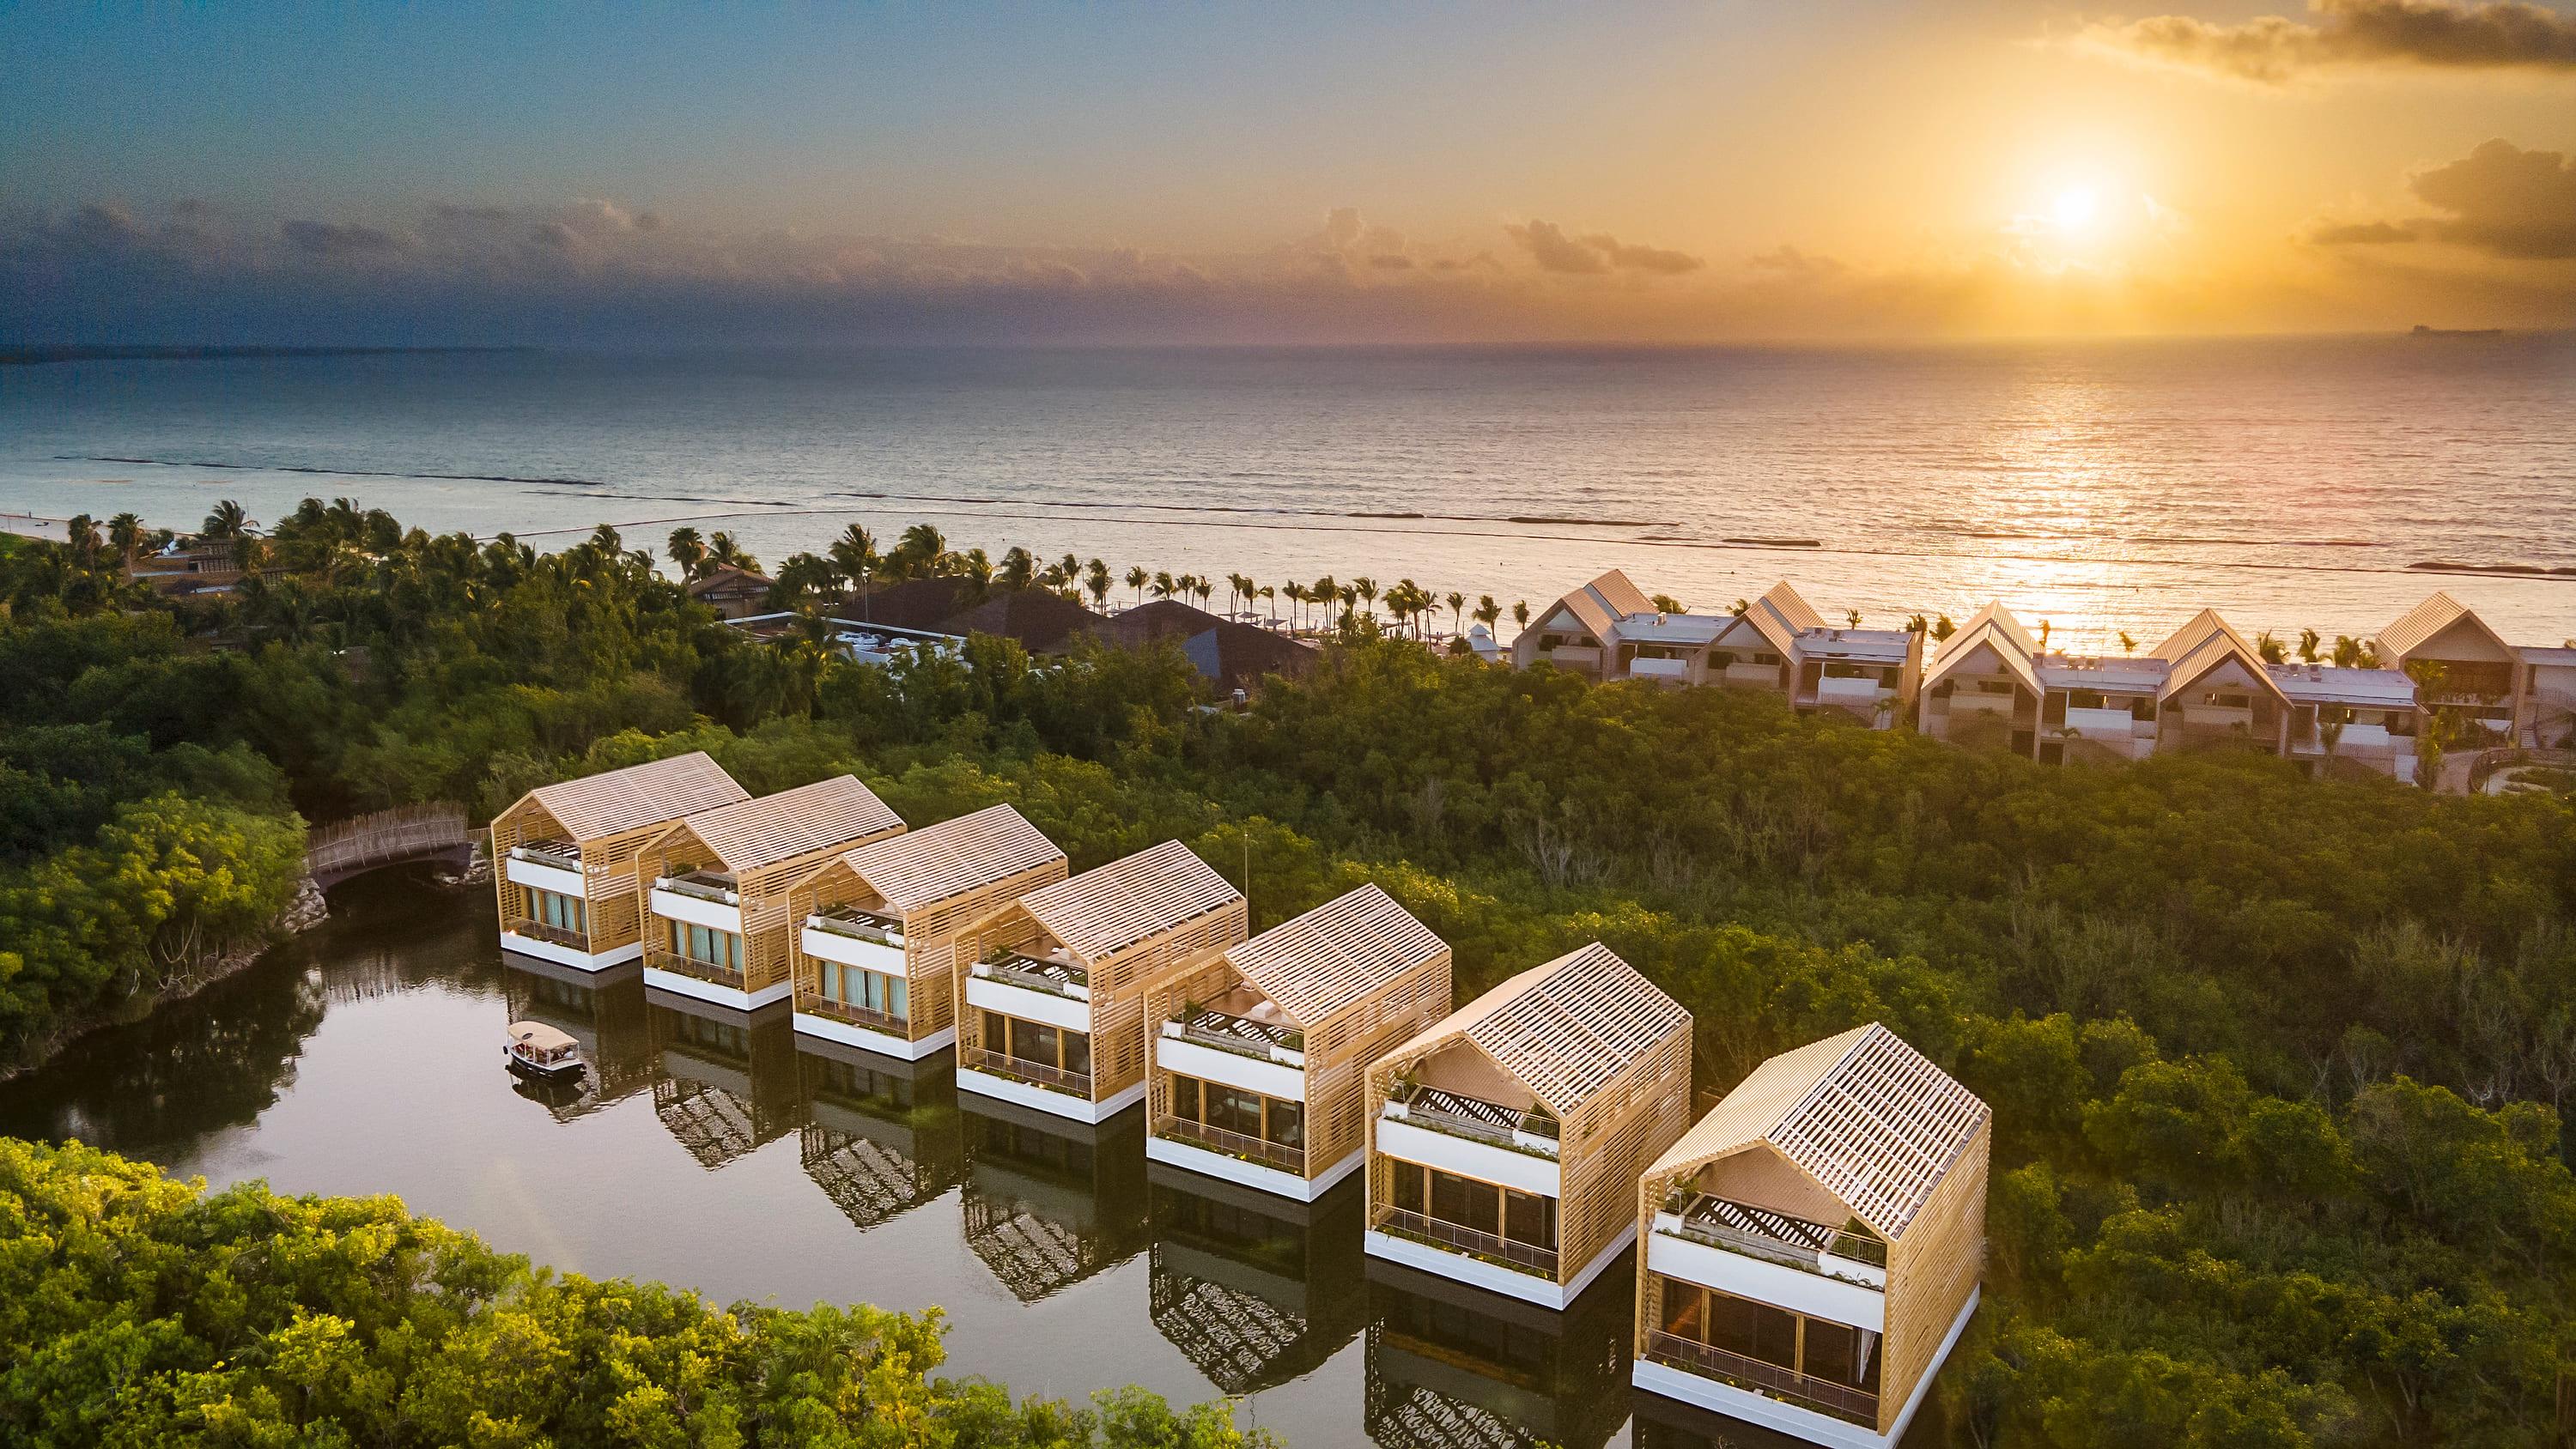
2106, 487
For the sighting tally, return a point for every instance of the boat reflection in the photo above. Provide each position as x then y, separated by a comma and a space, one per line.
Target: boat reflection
1047, 1202
1253, 1289
726, 1085
1451, 1367
881, 1135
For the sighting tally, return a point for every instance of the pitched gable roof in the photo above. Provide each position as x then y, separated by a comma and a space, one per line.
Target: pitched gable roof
1565, 1028
1782, 615
2429, 620
2206, 642
1037, 618
1119, 904
938, 862
1315, 964
616, 801
727, 579
1995, 627
755, 833
1871, 1119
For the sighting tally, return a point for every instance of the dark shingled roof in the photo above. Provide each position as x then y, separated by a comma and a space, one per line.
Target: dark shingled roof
1040, 619
1231, 655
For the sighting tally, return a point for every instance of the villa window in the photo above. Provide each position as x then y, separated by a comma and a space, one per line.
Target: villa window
1502, 1212
563, 912
1768, 659
1033, 1041
1245, 1114
706, 946
1994, 686
1816, 1347
868, 990
2142, 709
2084, 699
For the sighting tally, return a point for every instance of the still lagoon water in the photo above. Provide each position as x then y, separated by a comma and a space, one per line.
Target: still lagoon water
738, 1159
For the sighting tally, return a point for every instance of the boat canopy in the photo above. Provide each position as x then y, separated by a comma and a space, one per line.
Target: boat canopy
538, 1037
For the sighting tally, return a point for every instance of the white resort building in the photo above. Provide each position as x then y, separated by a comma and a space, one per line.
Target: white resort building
1053, 1015
562, 854
1608, 630
875, 947
715, 886
2509, 694
1505, 1141
1812, 1247
1260, 1049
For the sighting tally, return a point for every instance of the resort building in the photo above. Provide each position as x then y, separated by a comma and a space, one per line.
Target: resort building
716, 919
2507, 694
1505, 1141
563, 856
1053, 1015
2204, 686
1260, 1050
873, 953
1608, 630
734, 593
1812, 1246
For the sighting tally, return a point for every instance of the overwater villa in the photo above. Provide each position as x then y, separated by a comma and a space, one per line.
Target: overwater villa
715, 887
1260, 1049
1505, 1141
1609, 630
562, 856
1053, 1016
874, 951
2509, 694
2203, 686
1812, 1246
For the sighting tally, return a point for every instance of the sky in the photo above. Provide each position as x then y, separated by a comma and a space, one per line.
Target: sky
1223, 173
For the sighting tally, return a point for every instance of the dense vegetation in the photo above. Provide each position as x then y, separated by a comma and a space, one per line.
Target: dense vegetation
2277, 1065
137, 1310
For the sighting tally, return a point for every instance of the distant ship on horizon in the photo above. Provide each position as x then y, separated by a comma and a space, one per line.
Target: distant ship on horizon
2423, 331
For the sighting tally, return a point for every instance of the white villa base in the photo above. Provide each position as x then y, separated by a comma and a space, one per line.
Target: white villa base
733, 996
1042, 1099
574, 957
884, 1043
1493, 1277
1250, 1174
1787, 1418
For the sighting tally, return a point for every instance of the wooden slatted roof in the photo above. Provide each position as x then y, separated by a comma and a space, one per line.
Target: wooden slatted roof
2206, 642
756, 833
948, 859
1315, 964
1782, 615
616, 801
1602, 603
1121, 903
1565, 1028
1871, 1119
2427, 621
1993, 626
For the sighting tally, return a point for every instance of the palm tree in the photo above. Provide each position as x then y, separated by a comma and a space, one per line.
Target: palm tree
1942, 628
1741, 608
1852, 616
227, 521
1457, 612
1488, 613
1367, 590
1350, 594
919, 553
1164, 587
854, 554
1096, 579
687, 550
1137, 579
1270, 595
1070, 568
1326, 591
1204, 589
1296, 593
125, 534
2271, 648
723, 552
82, 534
1667, 604
1019, 569
2308, 641
1520, 613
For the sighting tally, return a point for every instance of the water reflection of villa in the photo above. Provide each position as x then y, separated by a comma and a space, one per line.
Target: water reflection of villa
1253, 1291
726, 1086
1505, 1141
604, 1013
715, 887
1048, 1203
881, 1135
562, 856
1054, 1010
1260, 1050
1449, 1367
1812, 1246
874, 954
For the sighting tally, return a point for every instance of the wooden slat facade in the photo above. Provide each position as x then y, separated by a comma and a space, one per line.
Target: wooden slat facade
624, 810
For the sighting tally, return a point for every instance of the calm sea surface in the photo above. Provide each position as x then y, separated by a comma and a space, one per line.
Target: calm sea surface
2106, 486
747, 1162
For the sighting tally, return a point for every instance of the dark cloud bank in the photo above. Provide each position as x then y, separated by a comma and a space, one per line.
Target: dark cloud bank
2353, 35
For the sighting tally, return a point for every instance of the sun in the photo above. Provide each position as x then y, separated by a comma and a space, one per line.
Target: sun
2076, 209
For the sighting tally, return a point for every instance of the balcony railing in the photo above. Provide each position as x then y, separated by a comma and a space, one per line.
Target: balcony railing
1056, 978
1441, 1233
1841, 1401
1039, 1074
858, 925
708, 971
1280, 1155
561, 854
1240, 1034
540, 931
702, 885
873, 1020
1777, 1237
1531, 1131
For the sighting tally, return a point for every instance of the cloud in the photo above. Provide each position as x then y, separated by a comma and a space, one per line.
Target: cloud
2350, 35
340, 239
1591, 255
2499, 199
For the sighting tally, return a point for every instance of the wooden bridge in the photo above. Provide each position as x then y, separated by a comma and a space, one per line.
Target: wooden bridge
343, 848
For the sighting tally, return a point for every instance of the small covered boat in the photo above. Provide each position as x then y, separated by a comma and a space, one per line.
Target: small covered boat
538, 1050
